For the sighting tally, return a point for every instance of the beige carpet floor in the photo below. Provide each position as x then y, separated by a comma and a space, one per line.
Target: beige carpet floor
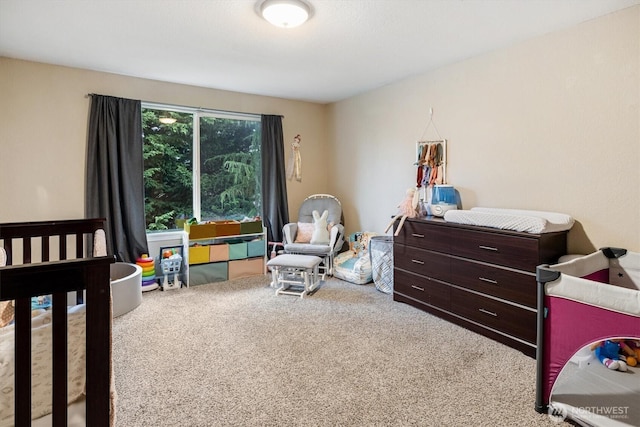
234, 354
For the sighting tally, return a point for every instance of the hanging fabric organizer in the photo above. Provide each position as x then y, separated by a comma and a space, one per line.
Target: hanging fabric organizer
431, 162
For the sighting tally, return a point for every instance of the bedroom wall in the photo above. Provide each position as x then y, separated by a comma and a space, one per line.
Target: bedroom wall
549, 124
43, 131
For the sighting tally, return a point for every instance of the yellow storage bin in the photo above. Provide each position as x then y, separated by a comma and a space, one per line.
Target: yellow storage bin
198, 254
219, 252
246, 267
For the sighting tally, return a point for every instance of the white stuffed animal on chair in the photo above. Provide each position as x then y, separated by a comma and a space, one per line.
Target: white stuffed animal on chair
320, 234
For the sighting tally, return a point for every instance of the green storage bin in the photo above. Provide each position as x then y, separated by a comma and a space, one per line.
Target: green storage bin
255, 248
208, 273
250, 227
237, 250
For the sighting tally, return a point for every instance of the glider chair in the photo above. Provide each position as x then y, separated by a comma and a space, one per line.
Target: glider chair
297, 237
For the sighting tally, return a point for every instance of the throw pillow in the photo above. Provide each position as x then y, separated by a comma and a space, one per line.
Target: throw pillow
305, 231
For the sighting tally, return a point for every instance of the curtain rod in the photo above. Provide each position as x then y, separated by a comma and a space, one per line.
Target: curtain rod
195, 109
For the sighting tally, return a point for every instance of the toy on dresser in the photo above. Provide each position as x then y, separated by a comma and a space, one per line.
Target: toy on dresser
408, 208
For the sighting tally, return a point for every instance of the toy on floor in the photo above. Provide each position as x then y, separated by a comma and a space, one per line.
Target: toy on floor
407, 209
148, 272
171, 263
608, 352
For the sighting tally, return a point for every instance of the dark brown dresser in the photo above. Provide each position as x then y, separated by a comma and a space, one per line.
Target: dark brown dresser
477, 277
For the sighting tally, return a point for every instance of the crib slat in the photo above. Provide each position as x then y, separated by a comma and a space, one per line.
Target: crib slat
23, 361
26, 250
8, 248
98, 344
59, 354
45, 249
79, 245
63, 246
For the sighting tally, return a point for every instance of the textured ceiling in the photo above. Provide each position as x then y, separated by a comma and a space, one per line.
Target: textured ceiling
346, 48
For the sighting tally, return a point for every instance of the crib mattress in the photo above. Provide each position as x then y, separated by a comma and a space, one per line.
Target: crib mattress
527, 221
76, 416
595, 395
41, 342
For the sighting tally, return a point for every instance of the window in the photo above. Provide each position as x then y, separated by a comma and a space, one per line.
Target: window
199, 163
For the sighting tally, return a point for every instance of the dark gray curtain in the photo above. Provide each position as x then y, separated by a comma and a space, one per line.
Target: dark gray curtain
275, 211
115, 183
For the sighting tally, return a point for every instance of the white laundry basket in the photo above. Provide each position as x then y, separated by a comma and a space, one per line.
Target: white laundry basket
381, 253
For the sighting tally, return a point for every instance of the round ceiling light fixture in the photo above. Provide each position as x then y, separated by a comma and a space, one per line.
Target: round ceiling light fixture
285, 13
167, 120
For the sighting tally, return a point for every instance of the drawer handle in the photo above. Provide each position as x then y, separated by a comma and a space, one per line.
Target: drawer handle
491, 313
417, 288
417, 261
484, 279
418, 235
488, 248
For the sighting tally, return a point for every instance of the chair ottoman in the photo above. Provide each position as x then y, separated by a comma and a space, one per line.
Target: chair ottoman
293, 274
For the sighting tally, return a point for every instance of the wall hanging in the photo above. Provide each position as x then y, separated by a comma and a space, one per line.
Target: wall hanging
431, 162
294, 168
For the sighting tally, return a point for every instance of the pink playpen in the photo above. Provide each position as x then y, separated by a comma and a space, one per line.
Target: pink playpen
580, 302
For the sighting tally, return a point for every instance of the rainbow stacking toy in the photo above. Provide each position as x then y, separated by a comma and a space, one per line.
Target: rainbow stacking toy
148, 272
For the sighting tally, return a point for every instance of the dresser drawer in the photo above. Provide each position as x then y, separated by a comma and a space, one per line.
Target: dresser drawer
510, 285
422, 289
509, 319
424, 235
502, 249
426, 263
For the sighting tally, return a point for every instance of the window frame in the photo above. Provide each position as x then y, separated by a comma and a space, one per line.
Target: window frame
197, 114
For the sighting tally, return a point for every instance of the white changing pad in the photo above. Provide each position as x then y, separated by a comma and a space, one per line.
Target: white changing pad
512, 219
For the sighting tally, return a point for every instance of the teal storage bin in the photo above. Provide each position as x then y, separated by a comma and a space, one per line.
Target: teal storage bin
208, 273
237, 250
255, 248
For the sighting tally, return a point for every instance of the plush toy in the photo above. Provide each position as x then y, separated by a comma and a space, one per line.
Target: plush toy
608, 353
630, 352
635, 346
320, 234
408, 208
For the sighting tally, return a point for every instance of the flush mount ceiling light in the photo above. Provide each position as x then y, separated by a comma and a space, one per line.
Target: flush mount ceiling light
285, 13
167, 120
